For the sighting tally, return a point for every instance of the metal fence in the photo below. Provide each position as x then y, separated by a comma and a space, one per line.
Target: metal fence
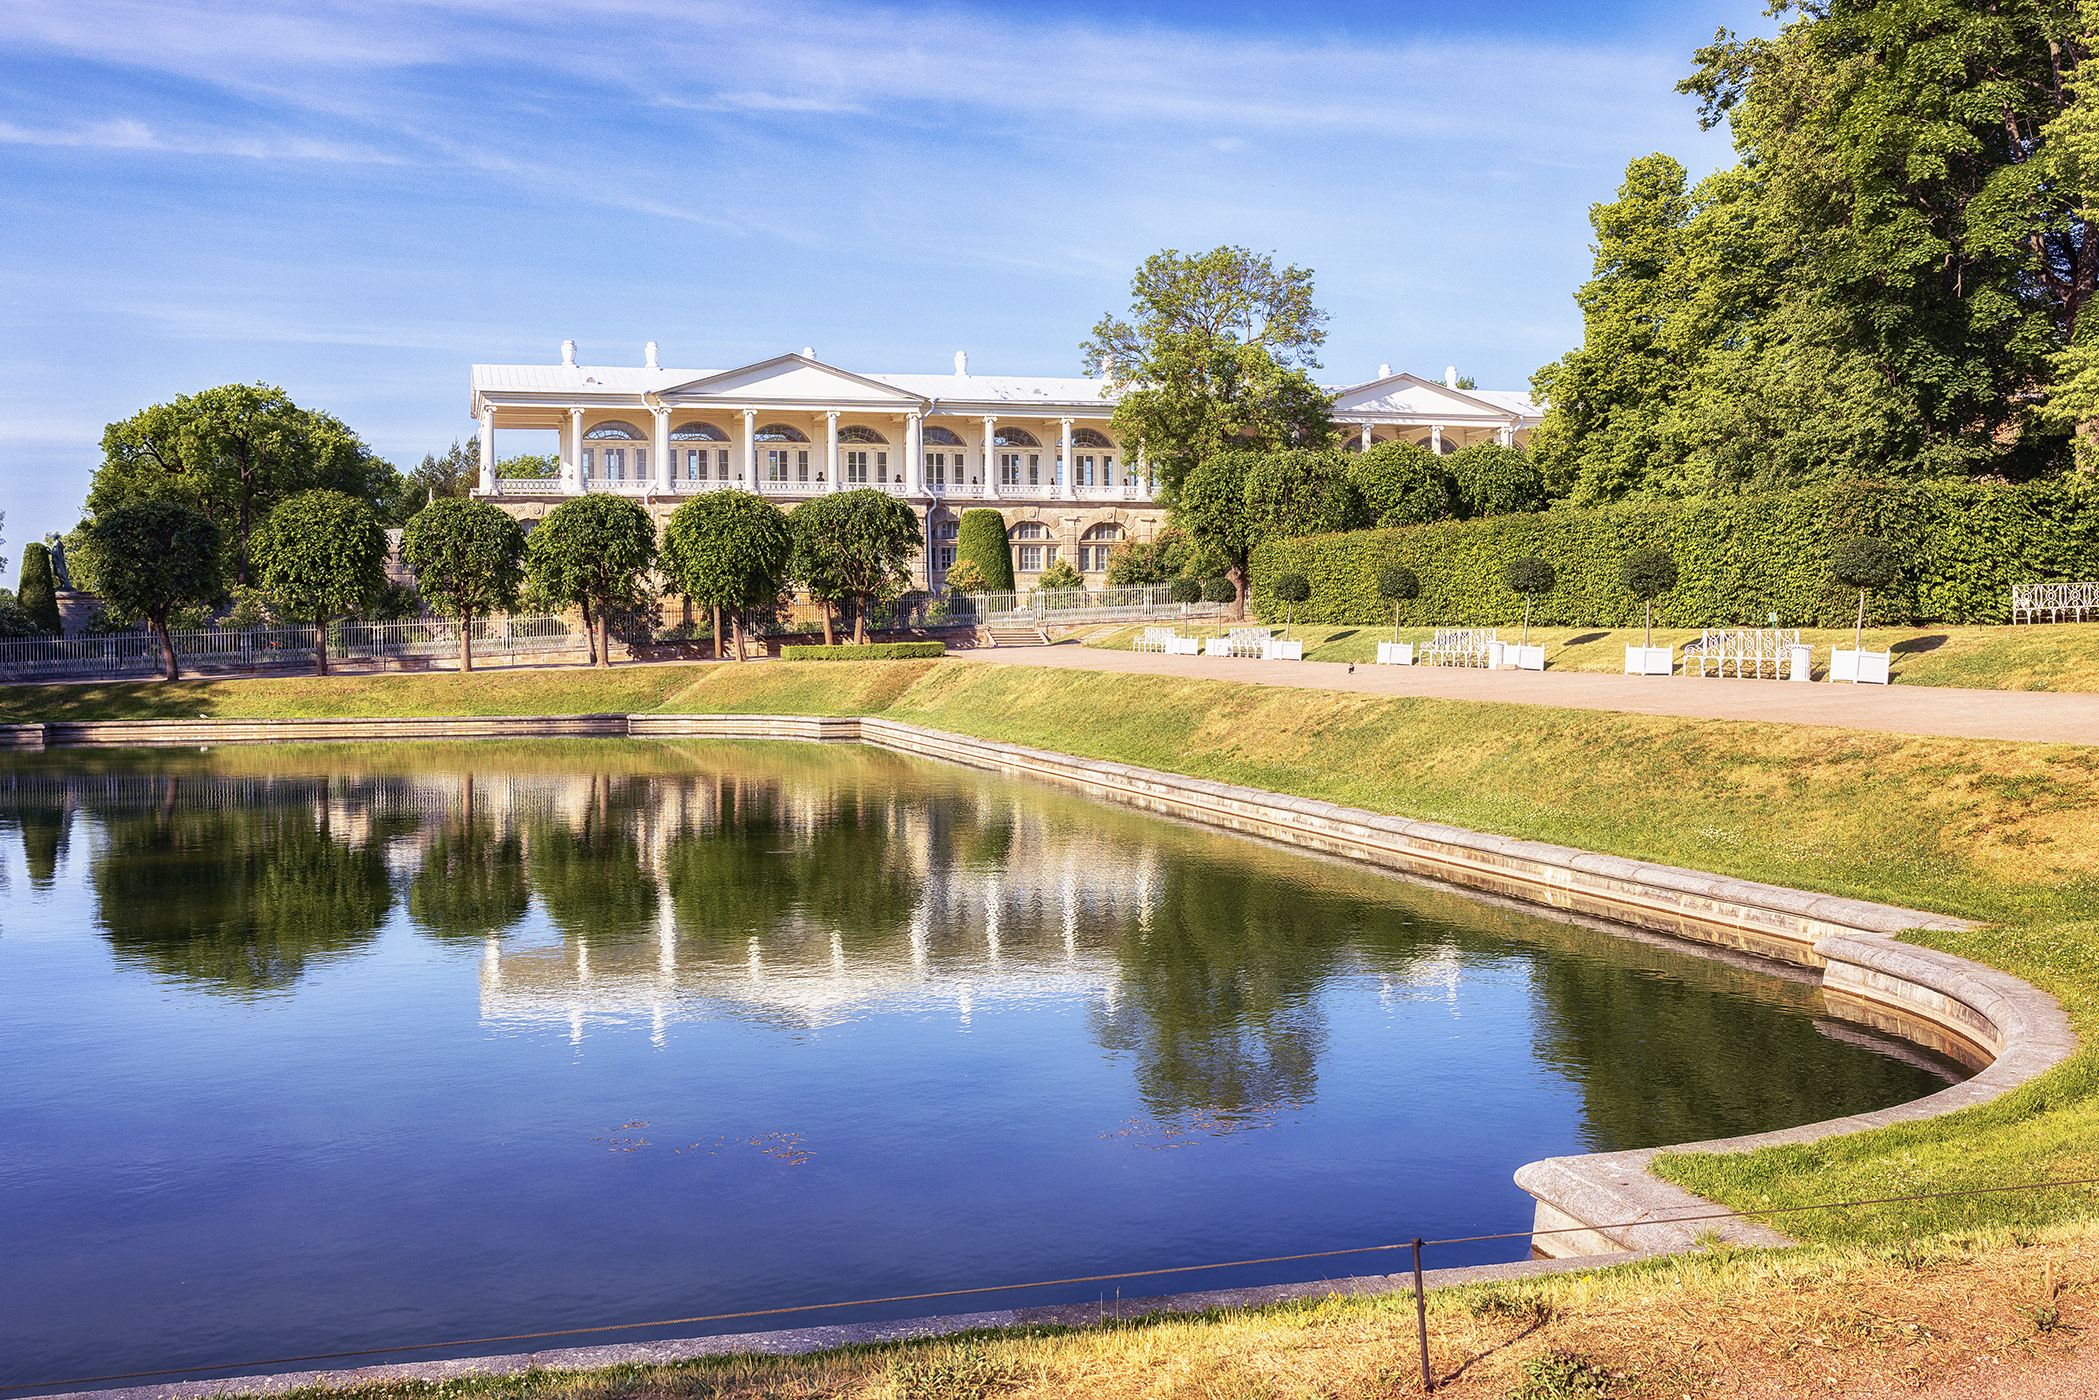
117, 654
1050, 607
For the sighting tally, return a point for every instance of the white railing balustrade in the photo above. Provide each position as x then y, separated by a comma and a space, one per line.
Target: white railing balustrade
118, 654
528, 486
1776, 652
1056, 606
1462, 646
2055, 602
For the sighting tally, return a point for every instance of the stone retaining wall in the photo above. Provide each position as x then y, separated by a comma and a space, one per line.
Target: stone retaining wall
1596, 1204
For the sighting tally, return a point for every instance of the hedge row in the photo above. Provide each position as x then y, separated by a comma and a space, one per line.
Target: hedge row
1741, 558
871, 651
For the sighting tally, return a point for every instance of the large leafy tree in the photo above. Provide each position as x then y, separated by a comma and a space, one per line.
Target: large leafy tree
1303, 491
233, 452
855, 547
1212, 507
151, 558
319, 555
593, 553
467, 557
1216, 349
728, 551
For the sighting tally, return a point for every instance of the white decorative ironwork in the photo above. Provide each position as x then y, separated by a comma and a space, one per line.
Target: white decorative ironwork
2055, 602
1744, 651
1462, 646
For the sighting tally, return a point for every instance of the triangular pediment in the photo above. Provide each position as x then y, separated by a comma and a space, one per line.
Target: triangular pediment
790, 379
1411, 395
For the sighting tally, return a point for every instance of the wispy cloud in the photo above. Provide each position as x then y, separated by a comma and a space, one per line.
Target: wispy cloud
129, 135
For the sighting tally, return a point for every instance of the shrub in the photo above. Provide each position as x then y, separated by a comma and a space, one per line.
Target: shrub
1302, 491
1219, 590
981, 540
966, 577
869, 651
1403, 483
1960, 546
1494, 480
38, 593
1058, 577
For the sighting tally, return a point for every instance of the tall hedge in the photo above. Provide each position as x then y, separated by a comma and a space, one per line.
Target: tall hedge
38, 590
1962, 546
981, 539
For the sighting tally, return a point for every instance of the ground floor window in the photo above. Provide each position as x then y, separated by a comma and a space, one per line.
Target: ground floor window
1034, 558
944, 557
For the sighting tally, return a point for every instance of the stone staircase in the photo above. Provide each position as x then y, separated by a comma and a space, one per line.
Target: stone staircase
1016, 634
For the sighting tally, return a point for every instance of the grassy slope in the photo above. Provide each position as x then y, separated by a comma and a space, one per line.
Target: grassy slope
1998, 832
2054, 657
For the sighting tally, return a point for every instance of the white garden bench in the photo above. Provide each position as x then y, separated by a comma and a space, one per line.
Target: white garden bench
1776, 652
1463, 646
2055, 602
1239, 641
1157, 639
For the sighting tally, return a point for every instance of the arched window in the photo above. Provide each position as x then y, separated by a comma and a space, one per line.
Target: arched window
698, 432
1029, 530
854, 432
940, 437
1087, 437
1015, 437
1032, 554
1097, 545
613, 431
780, 432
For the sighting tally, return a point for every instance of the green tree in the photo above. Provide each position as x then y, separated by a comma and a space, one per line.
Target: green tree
38, 590
319, 555
1220, 589
1292, 589
233, 453
854, 548
1647, 574
980, 539
1397, 584
1215, 350
529, 466
1303, 491
151, 558
1864, 563
1490, 479
1185, 591
1403, 483
593, 553
963, 577
445, 475
1160, 559
729, 550
1059, 576
1532, 577
1211, 505
467, 557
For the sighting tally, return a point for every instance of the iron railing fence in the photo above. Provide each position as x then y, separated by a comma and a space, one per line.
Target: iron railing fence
1055, 606
118, 654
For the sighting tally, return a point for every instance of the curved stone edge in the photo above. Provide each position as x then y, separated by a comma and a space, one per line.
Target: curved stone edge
1610, 1205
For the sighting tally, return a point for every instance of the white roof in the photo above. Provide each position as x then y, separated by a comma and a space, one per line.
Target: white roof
804, 374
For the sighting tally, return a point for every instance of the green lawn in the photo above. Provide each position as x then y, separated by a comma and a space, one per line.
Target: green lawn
2061, 656
1993, 831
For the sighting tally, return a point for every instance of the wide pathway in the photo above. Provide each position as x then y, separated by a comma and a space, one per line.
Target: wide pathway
2025, 715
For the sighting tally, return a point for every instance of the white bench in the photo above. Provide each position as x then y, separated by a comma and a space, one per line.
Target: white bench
1863, 667
1749, 651
1159, 639
1650, 661
1395, 653
1463, 646
2055, 602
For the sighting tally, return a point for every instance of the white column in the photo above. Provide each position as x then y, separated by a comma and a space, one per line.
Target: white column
488, 451
1506, 435
663, 448
914, 456
1071, 488
831, 450
990, 455
1435, 438
573, 469
750, 448
1366, 437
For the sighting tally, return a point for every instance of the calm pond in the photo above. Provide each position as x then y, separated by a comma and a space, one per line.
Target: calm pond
309, 1049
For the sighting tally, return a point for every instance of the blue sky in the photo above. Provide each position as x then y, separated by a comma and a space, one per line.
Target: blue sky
358, 200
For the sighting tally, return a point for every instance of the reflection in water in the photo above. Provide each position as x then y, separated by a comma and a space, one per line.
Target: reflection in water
932, 1026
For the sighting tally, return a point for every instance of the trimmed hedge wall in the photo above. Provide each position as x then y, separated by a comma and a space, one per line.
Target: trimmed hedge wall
871, 651
1962, 545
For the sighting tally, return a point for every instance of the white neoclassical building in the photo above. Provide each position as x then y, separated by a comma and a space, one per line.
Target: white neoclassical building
1041, 448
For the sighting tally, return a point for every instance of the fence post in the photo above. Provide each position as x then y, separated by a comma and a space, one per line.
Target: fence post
1428, 1380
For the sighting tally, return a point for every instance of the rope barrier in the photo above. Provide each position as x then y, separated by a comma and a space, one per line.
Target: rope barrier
1415, 1246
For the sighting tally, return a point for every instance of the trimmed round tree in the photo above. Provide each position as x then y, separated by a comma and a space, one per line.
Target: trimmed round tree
1396, 584
728, 550
155, 556
855, 547
980, 539
1185, 591
593, 553
1647, 574
38, 589
319, 555
1532, 577
1291, 589
1403, 483
1494, 480
468, 560
1867, 564
1219, 589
